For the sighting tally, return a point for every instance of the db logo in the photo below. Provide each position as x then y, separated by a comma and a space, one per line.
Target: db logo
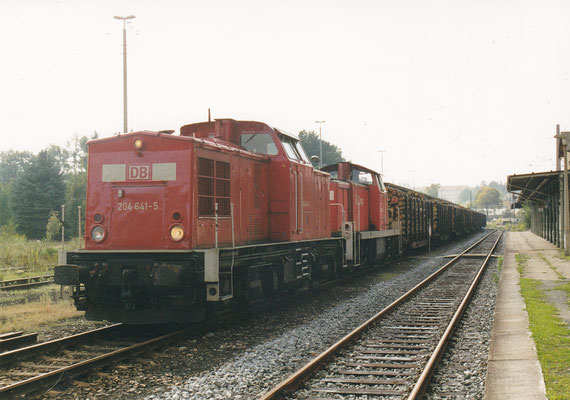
139, 171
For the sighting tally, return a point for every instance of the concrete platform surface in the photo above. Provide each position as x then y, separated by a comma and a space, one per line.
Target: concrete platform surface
513, 371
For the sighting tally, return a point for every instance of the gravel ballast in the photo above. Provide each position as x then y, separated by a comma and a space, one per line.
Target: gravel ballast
462, 370
245, 358
265, 365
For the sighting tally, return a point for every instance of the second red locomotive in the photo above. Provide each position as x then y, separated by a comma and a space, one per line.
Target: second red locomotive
225, 214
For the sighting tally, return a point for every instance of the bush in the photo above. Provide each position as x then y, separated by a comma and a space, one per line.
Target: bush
53, 228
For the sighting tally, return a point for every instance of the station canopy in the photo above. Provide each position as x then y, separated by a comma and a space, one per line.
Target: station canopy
537, 187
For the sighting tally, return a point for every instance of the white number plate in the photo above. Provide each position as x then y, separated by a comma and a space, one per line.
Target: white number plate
137, 206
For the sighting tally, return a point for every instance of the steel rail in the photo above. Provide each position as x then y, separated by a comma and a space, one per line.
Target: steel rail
28, 351
23, 283
16, 341
53, 377
423, 380
294, 380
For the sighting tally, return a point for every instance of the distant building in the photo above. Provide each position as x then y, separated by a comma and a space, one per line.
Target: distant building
451, 193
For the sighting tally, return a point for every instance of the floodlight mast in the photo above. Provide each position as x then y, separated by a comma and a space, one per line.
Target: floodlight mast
124, 19
320, 143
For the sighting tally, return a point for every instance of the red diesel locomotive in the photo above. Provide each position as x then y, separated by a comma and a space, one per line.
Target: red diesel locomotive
227, 214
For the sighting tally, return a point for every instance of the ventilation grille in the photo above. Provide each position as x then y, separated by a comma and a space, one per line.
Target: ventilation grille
213, 187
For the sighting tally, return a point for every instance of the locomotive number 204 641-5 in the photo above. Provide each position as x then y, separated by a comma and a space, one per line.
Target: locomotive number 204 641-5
137, 205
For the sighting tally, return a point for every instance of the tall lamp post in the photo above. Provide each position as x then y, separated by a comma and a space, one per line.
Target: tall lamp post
320, 143
382, 162
124, 19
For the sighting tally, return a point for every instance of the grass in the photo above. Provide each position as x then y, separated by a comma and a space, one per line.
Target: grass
565, 287
30, 315
550, 334
28, 257
521, 262
543, 258
520, 227
563, 256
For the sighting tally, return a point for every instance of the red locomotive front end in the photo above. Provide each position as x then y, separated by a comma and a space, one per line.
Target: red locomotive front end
139, 195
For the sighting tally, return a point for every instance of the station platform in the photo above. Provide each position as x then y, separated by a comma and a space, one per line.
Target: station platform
514, 371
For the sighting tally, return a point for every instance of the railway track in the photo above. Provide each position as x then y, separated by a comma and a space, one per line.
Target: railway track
33, 368
26, 283
394, 353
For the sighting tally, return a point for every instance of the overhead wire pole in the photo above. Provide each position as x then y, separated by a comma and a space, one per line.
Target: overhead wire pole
320, 143
124, 19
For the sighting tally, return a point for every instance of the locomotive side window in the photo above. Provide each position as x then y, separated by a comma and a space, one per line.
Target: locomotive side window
364, 178
290, 149
213, 187
301, 152
260, 143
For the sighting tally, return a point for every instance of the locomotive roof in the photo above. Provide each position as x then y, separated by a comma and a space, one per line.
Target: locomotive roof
207, 142
282, 132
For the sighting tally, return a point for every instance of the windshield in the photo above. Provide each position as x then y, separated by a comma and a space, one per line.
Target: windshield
260, 143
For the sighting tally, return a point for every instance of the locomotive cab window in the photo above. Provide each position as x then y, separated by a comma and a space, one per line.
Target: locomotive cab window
301, 152
290, 150
364, 178
261, 143
293, 149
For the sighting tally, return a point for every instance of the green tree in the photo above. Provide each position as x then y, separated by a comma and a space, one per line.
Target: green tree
5, 214
13, 164
75, 196
500, 186
53, 228
39, 190
525, 214
433, 189
60, 157
465, 196
77, 152
76, 183
487, 198
311, 143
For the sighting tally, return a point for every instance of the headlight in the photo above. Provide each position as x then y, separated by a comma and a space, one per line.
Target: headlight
138, 144
98, 233
177, 233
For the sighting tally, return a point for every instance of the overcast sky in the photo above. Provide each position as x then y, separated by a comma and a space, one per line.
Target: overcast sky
455, 92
